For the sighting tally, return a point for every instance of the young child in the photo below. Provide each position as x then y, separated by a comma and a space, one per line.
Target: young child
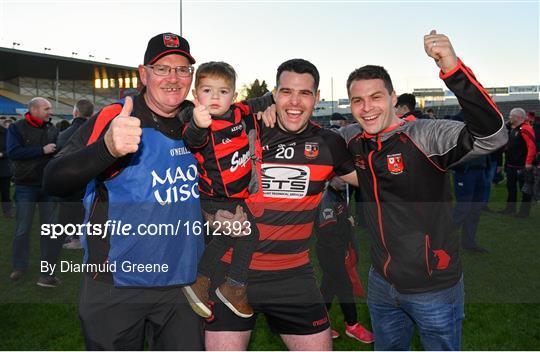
218, 136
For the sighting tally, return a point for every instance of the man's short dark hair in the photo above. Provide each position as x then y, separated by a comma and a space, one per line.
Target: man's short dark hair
408, 100
85, 108
370, 72
299, 66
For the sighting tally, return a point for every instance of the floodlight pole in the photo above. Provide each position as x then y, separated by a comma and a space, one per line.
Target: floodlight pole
180, 18
56, 84
332, 93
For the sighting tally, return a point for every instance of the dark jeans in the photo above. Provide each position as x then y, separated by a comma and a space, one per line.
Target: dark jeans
242, 246
514, 177
26, 198
335, 280
436, 314
489, 174
5, 185
469, 187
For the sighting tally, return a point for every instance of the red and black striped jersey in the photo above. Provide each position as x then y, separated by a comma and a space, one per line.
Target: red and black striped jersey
294, 170
224, 157
222, 151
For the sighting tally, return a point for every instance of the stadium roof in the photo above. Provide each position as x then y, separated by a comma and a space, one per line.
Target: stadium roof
20, 63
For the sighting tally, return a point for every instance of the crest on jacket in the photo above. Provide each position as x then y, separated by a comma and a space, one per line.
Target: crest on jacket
395, 163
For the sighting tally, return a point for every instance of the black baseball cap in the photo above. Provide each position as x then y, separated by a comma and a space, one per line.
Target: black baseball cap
165, 44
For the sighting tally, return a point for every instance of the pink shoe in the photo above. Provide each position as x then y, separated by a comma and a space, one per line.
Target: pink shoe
335, 334
358, 332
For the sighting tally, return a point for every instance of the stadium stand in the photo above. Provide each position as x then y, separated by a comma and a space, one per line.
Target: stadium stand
9, 107
62, 80
449, 110
504, 106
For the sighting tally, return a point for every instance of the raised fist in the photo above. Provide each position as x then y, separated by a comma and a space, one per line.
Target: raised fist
438, 47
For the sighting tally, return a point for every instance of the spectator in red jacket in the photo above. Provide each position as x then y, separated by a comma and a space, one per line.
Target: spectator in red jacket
535, 123
519, 155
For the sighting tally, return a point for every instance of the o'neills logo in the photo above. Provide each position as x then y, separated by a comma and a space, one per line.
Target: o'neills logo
171, 41
328, 213
395, 163
319, 322
360, 162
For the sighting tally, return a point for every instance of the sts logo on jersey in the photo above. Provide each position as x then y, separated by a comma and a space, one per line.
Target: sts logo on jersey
285, 181
395, 163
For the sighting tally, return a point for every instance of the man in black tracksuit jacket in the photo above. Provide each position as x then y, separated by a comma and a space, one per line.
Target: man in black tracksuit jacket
31, 143
416, 278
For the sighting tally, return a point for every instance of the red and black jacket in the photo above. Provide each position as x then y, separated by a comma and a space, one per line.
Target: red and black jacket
403, 178
521, 147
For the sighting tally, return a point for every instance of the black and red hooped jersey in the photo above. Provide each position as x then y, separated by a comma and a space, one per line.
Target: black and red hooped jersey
224, 160
294, 170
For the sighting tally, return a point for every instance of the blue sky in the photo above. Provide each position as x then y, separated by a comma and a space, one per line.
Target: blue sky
498, 40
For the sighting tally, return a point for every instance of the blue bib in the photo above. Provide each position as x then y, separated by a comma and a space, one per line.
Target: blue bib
156, 197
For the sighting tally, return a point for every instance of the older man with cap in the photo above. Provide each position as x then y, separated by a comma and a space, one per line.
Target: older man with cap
139, 177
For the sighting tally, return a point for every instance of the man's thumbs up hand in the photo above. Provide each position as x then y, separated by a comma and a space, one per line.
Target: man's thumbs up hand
124, 133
